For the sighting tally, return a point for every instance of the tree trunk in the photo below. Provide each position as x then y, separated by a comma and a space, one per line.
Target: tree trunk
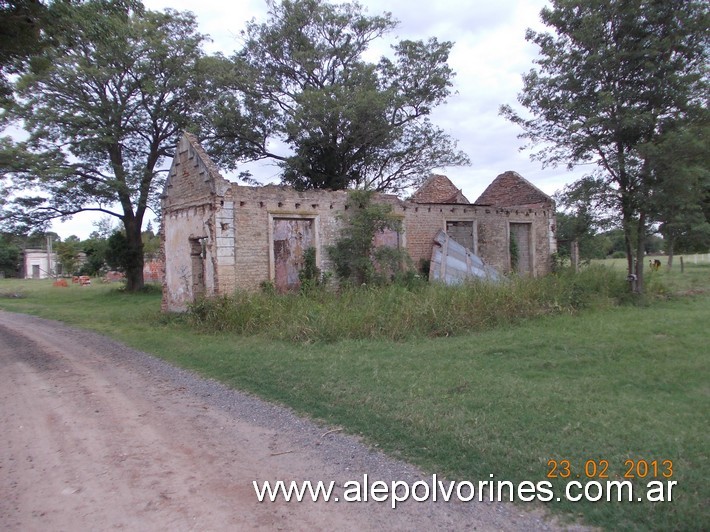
626, 223
134, 266
640, 251
574, 255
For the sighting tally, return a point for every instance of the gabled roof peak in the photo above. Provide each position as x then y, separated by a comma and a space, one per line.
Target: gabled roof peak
512, 189
438, 189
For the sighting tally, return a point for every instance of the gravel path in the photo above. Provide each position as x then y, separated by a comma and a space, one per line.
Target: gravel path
97, 436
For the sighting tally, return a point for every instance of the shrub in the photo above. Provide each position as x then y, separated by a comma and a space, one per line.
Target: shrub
514, 253
355, 257
408, 308
310, 275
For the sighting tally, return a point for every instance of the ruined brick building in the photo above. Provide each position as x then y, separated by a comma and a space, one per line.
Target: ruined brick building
219, 237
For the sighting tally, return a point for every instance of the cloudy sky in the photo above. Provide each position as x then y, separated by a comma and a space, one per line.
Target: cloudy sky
489, 56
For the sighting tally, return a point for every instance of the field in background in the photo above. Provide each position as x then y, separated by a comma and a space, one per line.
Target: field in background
607, 383
694, 278
688, 260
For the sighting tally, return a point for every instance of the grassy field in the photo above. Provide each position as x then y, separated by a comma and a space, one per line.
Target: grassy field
614, 383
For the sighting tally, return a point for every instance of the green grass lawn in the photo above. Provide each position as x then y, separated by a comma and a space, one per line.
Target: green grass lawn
614, 384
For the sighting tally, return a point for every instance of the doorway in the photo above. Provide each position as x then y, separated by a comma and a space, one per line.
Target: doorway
291, 237
521, 248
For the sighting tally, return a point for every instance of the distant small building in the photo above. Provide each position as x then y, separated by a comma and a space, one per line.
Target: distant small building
39, 264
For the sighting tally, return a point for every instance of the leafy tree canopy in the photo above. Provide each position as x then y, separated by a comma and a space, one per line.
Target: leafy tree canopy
20, 38
679, 198
302, 94
610, 80
9, 256
103, 107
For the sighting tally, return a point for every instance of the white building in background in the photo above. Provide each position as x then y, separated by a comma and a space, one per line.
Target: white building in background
39, 264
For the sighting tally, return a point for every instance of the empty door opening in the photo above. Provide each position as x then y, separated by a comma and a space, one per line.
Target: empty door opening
520, 248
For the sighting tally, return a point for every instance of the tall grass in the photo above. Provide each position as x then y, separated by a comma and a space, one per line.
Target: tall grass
399, 312
628, 382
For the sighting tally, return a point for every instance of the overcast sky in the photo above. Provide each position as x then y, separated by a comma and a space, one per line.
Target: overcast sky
489, 56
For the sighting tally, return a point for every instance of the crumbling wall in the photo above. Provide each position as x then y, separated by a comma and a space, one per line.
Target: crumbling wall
491, 231
218, 237
258, 210
188, 207
255, 212
189, 271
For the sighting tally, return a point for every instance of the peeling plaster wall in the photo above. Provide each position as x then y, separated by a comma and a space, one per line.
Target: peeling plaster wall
192, 203
181, 229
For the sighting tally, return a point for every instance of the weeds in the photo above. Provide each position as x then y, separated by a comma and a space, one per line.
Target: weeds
410, 308
14, 294
615, 382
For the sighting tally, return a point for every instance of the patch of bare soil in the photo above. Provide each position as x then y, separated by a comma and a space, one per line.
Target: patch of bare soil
96, 436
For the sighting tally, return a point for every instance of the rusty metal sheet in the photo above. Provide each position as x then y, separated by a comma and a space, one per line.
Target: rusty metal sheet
452, 263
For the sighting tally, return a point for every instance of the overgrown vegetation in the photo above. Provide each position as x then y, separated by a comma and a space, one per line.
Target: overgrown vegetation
404, 310
311, 277
514, 252
612, 383
356, 256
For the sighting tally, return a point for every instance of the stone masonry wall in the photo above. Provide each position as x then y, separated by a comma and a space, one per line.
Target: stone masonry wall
255, 209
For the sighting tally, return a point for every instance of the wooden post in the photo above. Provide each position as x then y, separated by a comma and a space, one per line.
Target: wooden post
574, 255
682, 266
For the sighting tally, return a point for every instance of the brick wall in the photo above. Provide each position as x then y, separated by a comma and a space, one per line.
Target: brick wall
217, 236
153, 270
254, 211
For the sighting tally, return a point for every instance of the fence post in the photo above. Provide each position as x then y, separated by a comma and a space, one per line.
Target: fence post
574, 255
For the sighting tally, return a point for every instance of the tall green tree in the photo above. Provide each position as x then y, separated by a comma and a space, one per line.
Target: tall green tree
104, 108
95, 248
21, 23
301, 93
609, 80
9, 256
680, 193
584, 210
68, 254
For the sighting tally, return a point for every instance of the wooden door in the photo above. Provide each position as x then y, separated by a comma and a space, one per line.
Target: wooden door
292, 237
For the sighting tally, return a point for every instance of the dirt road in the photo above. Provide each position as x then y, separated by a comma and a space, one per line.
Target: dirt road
96, 436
